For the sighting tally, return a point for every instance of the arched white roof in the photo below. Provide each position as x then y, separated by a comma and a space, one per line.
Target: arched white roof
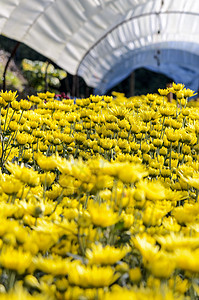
105, 40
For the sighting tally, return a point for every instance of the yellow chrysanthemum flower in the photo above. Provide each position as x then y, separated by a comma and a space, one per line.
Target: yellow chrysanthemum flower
13, 259
8, 96
25, 175
10, 185
131, 173
153, 190
107, 255
92, 276
102, 214
47, 163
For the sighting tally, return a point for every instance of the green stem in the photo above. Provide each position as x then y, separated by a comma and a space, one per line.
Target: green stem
37, 145
76, 151
86, 202
197, 192
10, 120
20, 152
20, 117
28, 193
44, 187
176, 107
48, 150
10, 140
162, 127
12, 279
80, 242
170, 156
129, 133
179, 151
13, 137
59, 199
6, 117
22, 192
13, 198
184, 121
8, 199
191, 293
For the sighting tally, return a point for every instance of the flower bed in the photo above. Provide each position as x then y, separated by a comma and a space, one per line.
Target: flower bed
99, 198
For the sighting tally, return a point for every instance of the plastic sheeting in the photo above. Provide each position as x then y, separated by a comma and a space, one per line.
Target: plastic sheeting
105, 40
180, 65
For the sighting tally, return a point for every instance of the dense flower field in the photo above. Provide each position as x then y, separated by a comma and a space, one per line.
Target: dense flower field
99, 197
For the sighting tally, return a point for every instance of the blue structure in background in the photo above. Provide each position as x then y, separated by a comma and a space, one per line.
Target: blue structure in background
180, 65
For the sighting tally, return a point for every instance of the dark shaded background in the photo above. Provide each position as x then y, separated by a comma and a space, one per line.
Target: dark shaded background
145, 81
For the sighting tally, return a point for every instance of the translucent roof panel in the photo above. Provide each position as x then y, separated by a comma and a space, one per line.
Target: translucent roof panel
103, 41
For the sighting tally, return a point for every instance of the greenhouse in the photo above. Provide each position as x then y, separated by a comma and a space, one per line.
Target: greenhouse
103, 41
99, 195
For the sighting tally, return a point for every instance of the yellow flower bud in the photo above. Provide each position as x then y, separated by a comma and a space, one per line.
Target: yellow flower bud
135, 274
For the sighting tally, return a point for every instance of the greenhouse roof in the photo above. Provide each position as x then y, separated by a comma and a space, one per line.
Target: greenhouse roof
103, 41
